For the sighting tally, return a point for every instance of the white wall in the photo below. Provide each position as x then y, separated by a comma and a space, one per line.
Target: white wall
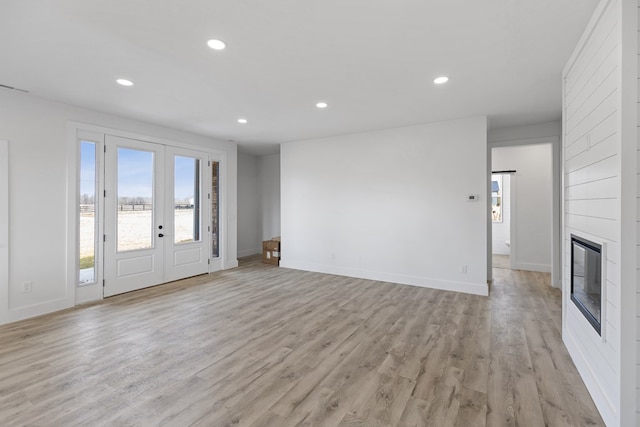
38, 201
519, 133
501, 231
390, 205
269, 169
249, 206
4, 230
627, 228
533, 196
600, 143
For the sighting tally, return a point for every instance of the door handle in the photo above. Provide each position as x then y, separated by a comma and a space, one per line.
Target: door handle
160, 235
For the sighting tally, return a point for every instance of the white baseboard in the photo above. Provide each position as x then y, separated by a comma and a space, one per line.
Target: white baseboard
248, 252
424, 282
35, 310
230, 264
543, 268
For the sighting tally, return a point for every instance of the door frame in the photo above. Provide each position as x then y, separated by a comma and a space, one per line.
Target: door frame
87, 293
556, 203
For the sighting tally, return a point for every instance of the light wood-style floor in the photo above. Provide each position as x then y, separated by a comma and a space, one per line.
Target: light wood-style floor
264, 346
501, 261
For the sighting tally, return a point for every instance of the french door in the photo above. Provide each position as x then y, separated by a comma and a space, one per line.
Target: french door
156, 217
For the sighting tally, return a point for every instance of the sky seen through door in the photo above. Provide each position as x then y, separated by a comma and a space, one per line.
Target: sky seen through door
133, 179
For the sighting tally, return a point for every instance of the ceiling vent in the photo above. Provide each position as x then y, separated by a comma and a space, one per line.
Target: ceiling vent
13, 88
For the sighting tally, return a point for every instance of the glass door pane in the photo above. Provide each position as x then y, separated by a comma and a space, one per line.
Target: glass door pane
135, 199
87, 207
186, 208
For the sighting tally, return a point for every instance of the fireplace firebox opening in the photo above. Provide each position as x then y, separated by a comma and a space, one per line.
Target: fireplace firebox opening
586, 279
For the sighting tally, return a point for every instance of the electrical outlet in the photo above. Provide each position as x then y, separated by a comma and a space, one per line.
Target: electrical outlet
27, 287
463, 268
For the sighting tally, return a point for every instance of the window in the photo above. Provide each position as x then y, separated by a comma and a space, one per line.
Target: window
215, 207
87, 229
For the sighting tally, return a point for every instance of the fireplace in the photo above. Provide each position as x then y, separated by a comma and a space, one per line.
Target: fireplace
586, 279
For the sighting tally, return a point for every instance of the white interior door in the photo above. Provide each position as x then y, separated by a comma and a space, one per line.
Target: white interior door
134, 215
187, 213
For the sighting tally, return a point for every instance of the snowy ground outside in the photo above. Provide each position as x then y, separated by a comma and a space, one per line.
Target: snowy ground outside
134, 229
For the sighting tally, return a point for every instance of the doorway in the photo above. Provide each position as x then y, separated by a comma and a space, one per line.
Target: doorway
147, 213
154, 218
502, 195
534, 216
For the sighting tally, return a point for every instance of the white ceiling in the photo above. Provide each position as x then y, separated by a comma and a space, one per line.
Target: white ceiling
373, 61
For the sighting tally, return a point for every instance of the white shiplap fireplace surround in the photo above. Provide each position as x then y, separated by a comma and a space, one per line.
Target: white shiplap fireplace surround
600, 127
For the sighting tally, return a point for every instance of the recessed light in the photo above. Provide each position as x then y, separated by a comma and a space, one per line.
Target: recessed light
243, 121
441, 80
322, 105
216, 44
124, 82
